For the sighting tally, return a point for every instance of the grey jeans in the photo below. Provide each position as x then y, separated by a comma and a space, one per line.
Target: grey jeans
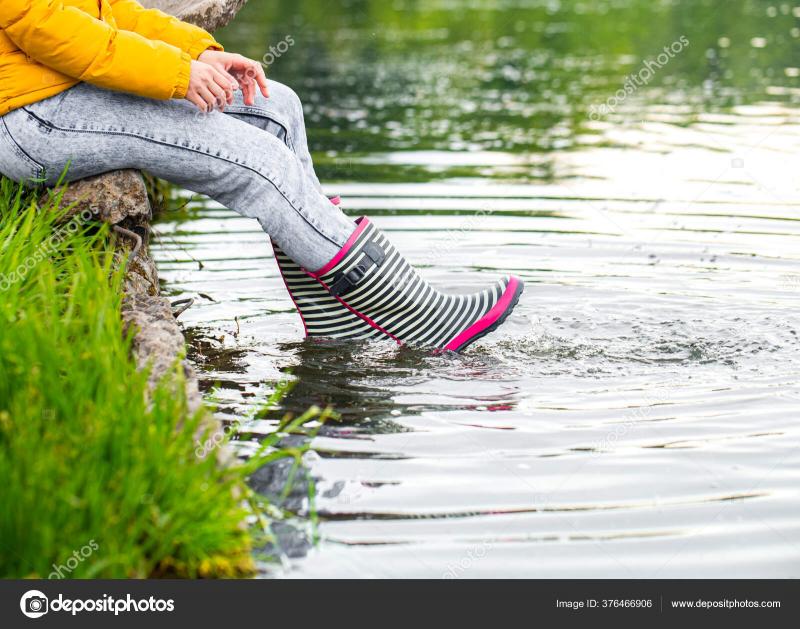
252, 159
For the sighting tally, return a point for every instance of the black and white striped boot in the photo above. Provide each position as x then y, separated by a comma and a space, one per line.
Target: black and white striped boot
371, 279
322, 314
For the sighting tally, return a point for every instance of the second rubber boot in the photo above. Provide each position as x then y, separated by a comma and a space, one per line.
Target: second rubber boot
322, 315
371, 278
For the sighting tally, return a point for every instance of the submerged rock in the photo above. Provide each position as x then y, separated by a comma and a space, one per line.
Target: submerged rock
208, 14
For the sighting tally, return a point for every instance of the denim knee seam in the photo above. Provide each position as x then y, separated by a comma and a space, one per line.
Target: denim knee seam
35, 166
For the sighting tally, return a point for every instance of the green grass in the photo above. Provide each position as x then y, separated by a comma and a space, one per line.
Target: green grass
97, 477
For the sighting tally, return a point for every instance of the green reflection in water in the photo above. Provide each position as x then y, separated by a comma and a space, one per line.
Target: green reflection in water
518, 77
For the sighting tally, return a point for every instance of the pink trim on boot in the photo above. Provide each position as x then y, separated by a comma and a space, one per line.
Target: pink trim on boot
488, 319
362, 225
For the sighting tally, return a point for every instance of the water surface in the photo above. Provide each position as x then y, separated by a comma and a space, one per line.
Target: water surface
638, 414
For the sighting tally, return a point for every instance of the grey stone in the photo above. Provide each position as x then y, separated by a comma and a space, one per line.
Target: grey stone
111, 197
208, 14
142, 276
158, 342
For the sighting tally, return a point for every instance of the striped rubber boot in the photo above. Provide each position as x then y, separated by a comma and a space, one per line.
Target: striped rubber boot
372, 279
322, 315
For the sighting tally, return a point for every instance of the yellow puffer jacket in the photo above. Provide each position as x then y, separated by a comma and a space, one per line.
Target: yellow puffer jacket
47, 46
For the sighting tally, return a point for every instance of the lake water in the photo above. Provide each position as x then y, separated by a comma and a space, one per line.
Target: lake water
638, 414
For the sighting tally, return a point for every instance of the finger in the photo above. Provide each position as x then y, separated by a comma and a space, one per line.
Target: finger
249, 92
208, 97
232, 91
197, 101
223, 80
220, 95
261, 79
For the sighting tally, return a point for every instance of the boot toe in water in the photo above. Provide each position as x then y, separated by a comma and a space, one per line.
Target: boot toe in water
371, 279
493, 319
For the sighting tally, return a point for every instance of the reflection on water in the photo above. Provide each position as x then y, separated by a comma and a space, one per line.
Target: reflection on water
637, 414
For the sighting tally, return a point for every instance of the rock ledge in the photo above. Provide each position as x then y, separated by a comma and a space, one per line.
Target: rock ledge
208, 14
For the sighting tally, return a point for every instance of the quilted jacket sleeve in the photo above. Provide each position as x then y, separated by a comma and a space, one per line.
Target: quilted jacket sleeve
89, 49
155, 24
